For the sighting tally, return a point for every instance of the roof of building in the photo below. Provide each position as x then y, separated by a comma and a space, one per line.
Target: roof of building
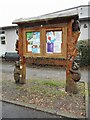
50, 16
8, 27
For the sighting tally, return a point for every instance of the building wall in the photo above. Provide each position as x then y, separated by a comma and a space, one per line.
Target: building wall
84, 29
2, 46
10, 40
83, 11
11, 37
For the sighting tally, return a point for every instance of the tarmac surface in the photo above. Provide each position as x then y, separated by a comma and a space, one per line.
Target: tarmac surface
41, 72
15, 111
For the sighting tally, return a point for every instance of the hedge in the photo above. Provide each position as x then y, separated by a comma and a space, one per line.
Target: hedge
83, 52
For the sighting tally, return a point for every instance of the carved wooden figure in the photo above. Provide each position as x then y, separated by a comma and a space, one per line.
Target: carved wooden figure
73, 35
17, 72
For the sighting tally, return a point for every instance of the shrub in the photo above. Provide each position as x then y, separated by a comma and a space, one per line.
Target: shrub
83, 50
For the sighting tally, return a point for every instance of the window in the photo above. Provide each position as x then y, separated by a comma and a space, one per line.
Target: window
33, 41
17, 31
85, 25
53, 41
3, 32
3, 40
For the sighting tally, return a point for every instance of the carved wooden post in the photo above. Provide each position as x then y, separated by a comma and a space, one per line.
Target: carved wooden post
22, 58
72, 38
22, 70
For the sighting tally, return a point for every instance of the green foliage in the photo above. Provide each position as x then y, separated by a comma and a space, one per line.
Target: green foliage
84, 55
47, 87
54, 83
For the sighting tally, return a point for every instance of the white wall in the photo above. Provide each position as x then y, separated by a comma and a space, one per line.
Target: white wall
2, 46
11, 37
83, 11
84, 31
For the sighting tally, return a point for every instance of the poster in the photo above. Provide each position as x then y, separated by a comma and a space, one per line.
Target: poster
53, 42
33, 40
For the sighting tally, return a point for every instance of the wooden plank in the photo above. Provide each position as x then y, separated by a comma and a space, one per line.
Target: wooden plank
46, 61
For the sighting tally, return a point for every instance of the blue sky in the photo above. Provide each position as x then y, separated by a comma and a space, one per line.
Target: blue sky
14, 9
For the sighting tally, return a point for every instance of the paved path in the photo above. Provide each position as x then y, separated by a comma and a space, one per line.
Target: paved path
41, 72
15, 111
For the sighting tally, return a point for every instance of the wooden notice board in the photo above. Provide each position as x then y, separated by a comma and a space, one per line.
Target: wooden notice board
47, 41
49, 36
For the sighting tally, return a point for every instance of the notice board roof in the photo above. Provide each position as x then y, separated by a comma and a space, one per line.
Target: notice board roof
60, 14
